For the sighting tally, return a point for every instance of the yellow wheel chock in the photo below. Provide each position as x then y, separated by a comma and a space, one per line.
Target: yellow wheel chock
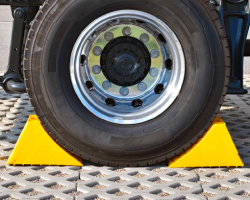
215, 149
36, 147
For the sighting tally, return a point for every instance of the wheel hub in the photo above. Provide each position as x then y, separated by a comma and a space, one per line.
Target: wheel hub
125, 61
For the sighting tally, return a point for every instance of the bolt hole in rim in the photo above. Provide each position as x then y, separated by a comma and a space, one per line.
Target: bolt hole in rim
163, 71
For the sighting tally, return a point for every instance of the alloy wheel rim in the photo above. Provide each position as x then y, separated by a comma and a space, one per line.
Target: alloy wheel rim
139, 99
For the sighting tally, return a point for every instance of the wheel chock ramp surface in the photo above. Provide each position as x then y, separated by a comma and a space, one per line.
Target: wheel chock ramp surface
36, 147
215, 149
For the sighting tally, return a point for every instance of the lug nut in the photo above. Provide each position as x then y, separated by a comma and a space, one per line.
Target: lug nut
96, 69
127, 31
142, 86
153, 72
154, 53
97, 51
124, 91
144, 37
106, 85
109, 36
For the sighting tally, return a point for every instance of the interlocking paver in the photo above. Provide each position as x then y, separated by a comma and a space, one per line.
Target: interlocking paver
93, 182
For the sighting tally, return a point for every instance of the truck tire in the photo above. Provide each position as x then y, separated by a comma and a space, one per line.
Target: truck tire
126, 82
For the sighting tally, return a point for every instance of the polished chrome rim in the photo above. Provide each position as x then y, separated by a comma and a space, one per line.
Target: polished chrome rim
156, 63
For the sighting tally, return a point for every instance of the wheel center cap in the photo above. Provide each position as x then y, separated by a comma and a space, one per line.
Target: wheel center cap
125, 61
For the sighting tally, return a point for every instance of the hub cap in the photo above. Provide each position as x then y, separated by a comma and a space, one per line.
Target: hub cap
120, 67
125, 61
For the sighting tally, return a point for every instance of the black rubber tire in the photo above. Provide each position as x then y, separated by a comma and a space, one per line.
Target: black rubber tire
46, 68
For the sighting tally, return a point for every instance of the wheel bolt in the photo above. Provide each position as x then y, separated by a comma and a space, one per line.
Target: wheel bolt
144, 37
127, 31
106, 85
109, 36
154, 53
124, 91
142, 86
96, 69
97, 51
153, 72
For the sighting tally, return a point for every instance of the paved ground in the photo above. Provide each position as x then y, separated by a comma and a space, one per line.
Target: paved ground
97, 182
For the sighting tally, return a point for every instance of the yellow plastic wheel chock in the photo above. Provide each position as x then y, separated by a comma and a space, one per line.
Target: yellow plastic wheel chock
215, 149
36, 147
